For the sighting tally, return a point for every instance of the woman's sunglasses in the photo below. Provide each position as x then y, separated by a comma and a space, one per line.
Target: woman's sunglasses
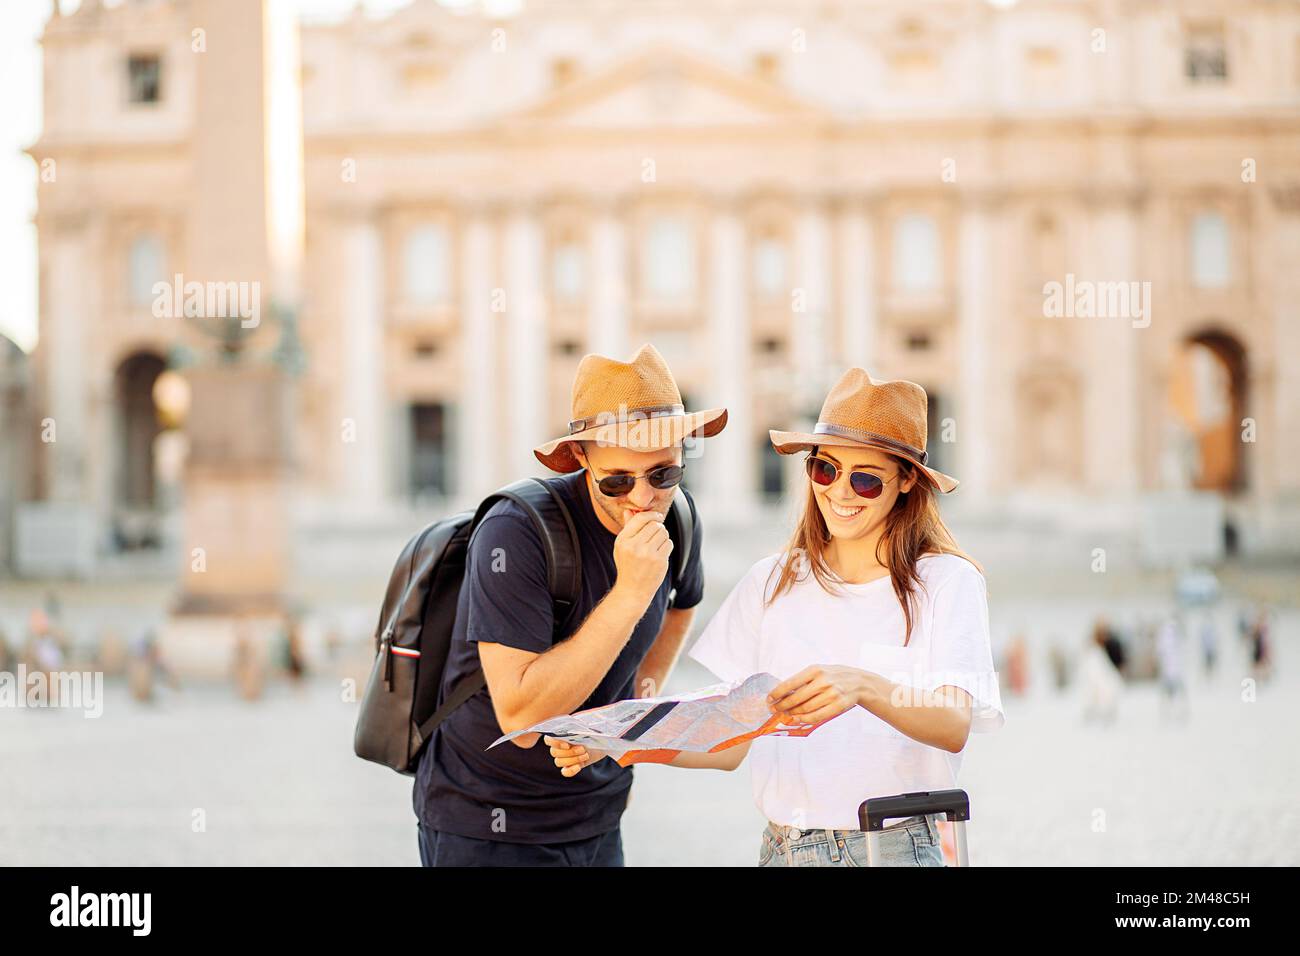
614, 486
864, 483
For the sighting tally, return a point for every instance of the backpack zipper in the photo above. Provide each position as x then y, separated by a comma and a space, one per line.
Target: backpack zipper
386, 648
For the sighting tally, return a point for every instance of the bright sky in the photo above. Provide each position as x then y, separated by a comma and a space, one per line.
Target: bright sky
21, 22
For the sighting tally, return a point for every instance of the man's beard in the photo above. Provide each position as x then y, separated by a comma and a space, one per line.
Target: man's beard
615, 507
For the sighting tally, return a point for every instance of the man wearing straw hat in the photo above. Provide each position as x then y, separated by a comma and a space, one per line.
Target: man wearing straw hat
622, 459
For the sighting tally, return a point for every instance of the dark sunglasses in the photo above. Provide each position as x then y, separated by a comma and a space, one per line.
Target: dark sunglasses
614, 486
864, 483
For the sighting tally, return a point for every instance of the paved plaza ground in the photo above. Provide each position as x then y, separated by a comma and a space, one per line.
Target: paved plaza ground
277, 783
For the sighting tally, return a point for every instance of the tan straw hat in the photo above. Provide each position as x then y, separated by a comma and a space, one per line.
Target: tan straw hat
633, 404
861, 412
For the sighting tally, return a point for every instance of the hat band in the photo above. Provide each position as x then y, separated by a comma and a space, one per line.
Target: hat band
844, 431
635, 415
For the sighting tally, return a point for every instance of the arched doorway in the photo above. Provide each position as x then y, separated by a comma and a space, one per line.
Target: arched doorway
1208, 400
135, 519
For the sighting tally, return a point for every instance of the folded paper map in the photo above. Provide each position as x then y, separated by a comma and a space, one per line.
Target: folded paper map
657, 729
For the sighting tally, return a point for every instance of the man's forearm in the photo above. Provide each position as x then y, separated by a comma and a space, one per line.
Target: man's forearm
561, 679
653, 673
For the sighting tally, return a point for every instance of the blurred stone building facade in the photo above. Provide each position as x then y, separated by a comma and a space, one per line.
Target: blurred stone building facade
767, 191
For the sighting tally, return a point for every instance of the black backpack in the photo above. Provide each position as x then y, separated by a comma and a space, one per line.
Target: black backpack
400, 709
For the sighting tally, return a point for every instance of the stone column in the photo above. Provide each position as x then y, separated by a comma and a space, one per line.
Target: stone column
856, 256
1111, 401
477, 440
58, 536
69, 290
608, 318
362, 460
974, 432
732, 489
811, 327
527, 354
1277, 472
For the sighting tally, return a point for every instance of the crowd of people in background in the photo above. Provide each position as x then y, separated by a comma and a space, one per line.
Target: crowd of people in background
46, 645
1164, 649
1160, 649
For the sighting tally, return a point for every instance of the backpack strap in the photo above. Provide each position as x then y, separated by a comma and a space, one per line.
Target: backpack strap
681, 528
543, 504
563, 564
469, 685
559, 537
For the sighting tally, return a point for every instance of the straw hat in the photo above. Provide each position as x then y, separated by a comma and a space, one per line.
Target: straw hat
861, 412
633, 404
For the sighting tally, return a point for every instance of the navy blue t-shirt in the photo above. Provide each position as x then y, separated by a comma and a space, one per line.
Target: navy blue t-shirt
511, 794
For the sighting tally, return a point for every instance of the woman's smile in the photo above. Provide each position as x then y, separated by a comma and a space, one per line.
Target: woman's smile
843, 511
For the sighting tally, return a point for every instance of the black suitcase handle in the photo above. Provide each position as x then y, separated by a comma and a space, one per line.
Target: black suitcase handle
874, 811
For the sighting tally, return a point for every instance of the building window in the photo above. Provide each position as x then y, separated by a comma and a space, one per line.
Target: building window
144, 78
916, 253
1205, 57
918, 341
668, 267
770, 268
771, 471
935, 446
145, 267
428, 266
568, 272
428, 450
1209, 251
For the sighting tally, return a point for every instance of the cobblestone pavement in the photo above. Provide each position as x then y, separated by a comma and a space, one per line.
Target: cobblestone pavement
276, 782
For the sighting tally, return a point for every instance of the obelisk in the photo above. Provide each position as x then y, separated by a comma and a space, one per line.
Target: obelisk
241, 276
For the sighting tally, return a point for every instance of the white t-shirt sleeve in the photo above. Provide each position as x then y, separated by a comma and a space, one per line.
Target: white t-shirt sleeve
729, 644
961, 654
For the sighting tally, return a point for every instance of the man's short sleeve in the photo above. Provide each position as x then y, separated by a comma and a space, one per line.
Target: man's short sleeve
509, 602
691, 591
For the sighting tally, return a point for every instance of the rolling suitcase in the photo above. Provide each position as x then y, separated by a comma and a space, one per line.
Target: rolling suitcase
874, 811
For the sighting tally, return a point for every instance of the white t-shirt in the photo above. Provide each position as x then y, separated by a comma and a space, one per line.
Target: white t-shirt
819, 781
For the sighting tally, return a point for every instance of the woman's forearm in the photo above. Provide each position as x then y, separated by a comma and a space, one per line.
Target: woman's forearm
939, 718
728, 759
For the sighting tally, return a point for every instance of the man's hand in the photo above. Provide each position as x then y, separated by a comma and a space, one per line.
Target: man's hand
817, 694
571, 758
641, 553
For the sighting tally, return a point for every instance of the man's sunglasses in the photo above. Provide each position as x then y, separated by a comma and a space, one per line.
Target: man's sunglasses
613, 486
864, 483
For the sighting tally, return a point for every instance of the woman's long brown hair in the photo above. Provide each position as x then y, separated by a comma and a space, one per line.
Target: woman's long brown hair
913, 528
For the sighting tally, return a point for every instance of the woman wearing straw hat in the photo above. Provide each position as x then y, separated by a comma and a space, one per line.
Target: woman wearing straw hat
878, 624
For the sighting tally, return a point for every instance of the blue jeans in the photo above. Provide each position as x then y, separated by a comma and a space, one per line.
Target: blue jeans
440, 848
910, 842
